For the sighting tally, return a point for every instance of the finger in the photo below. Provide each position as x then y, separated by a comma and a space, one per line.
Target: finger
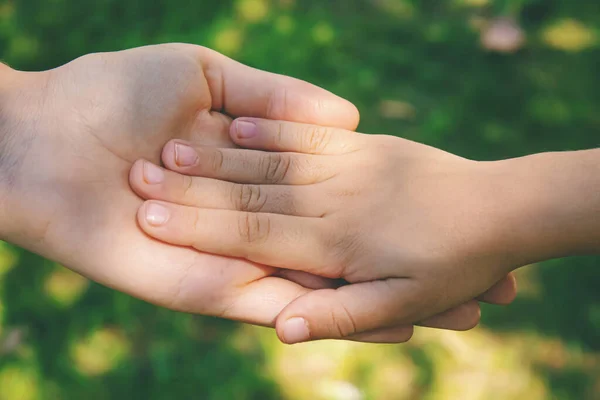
270, 239
461, 318
350, 310
151, 182
503, 292
212, 130
239, 90
399, 334
357, 309
254, 302
309, 281
246, 166
282, 136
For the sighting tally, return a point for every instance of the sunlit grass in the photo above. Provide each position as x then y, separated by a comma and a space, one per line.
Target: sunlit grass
18, 383
229, 40
323, 33
253, 11
8, 258
473, 3
479, 364
100, 352
285, 24
403, 9
569, 35
65, 287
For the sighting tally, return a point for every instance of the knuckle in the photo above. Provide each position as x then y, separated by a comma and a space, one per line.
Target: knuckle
277, 104
216, 160
187, 185
276, 167
195, 228
282, 203
309, 170
347, 193
343, 249
248, 198
316, 139
342, 322
278, 137
254, 228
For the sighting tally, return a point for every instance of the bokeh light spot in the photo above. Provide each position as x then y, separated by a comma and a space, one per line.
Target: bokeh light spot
229, 40
100, 352
569, 35
323, 33
284, 24
18, 384
65, 287
8, 258
473, 3
253, 11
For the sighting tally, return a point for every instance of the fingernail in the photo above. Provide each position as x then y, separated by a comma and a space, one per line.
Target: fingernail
152, 174
295, 330
185, 156
245, 129
156, 214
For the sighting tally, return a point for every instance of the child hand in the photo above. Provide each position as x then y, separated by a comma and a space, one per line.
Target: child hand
415, 230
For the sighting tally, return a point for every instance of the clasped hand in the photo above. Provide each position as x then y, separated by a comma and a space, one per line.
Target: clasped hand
270, 230
399, 221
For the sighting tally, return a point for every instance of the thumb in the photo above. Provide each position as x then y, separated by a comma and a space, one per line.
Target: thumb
239, 90
350, 310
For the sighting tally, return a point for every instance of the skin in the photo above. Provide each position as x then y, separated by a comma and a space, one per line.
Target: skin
69, 137
414, 229
300, 189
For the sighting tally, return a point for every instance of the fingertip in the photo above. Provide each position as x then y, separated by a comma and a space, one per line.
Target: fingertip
471, 315
511, 290
169, 153
475, 311
294, 330
513, 282
152, 215
141, 216
502, 293
136, 177
243, 130
326, 109
460, 318
136, 172
353, 117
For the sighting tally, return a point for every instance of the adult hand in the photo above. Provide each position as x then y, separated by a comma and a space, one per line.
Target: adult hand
69, 136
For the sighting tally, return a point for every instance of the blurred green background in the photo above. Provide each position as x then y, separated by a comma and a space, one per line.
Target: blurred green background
484, 79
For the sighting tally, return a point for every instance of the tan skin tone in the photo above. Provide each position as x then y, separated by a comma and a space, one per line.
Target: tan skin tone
73, 133
70, 136
414, 229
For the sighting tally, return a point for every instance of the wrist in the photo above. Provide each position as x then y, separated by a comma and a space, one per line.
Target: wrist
548, 205
19, 124
7, 128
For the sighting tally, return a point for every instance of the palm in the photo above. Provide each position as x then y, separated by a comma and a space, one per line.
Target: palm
122, 107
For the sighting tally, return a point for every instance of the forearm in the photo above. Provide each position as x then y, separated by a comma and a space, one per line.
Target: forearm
552, 204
